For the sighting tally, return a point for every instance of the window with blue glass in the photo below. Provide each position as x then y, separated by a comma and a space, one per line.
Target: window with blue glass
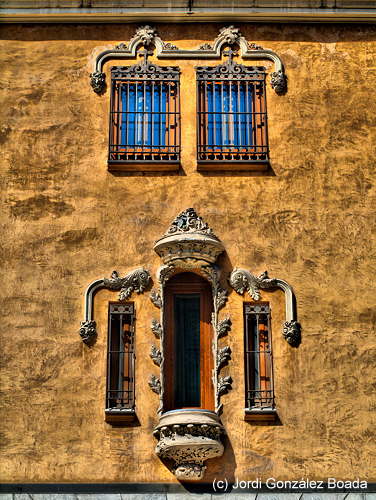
145, 114
232, 119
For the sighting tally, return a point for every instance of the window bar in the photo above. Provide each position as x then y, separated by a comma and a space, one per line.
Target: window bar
160, 117
265, 127
152, 120
112, 123
127, 121
144, 119
239, 119
222, 130
118, 118
121, 361
136, 118
206, 120
168, 128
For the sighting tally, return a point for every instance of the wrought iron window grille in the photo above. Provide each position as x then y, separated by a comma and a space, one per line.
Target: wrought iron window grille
258, 357
145, 114
231, 113
120, 393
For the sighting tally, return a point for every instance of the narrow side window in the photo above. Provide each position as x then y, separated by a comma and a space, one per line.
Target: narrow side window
259, 397
120, 394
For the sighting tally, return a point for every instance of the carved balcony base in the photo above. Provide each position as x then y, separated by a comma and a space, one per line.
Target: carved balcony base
189, 437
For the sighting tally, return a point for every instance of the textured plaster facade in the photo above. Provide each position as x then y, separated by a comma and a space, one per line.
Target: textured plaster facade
68, 221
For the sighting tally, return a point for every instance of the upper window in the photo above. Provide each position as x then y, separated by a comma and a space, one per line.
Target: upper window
145, 115
188, 353
232, 120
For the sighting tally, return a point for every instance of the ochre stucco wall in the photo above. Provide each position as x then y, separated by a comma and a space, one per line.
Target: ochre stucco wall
69, 221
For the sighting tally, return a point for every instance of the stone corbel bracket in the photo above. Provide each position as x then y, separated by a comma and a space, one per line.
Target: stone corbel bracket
242, 280
135, 281
146, 36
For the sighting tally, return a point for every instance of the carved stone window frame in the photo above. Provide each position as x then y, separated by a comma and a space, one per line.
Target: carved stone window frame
146, 36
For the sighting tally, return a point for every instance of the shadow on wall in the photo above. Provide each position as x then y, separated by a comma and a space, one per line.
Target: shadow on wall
192, 31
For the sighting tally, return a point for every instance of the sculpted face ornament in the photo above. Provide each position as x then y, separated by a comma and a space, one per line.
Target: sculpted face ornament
230, 34
147, 34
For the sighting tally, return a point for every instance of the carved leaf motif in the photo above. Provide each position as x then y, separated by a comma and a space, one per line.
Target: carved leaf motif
156, 328
223, 327
223, 356
156, 298
155, 384
165, 272
224, 385
156, 355
125, 293
220, 298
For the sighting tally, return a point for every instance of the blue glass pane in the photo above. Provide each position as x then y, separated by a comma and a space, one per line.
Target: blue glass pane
143, 118
229, 119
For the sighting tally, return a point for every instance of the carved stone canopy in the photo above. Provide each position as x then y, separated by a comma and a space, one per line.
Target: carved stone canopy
189, 238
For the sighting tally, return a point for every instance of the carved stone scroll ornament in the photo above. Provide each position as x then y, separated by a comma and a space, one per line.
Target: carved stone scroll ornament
98, 81
147, 37
135, 281
242, 280
88, 331
278, 82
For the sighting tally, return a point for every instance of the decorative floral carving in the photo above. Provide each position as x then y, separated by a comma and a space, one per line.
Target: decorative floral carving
292, 332
230, 34
223, 327
155, 297
253, 46
223, 355
169, 46
88, 331
278, 82
98, 81
220, 298
121, 46
205, 46
224, 385
155, 384
189, 222
165, 273
156, 328
156, 356
136, 280
242, 280
147, 34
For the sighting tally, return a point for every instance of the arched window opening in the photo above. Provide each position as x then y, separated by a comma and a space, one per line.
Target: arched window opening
188, 352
